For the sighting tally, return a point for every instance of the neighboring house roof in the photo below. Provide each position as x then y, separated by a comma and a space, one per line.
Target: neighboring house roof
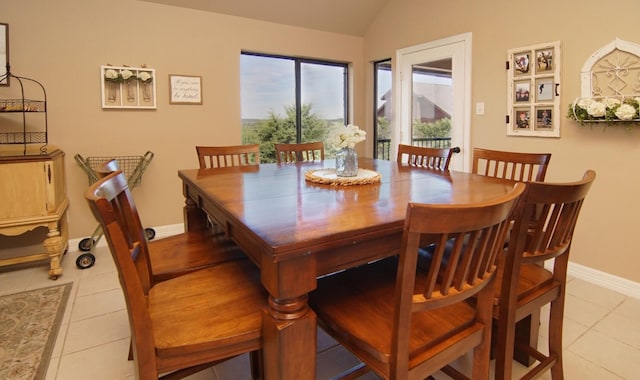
431, 102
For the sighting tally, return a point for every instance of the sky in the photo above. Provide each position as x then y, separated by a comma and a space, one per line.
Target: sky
268, 84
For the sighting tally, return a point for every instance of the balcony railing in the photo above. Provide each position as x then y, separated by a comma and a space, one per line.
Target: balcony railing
384, 145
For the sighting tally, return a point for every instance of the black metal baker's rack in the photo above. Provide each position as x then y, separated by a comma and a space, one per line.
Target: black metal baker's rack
29, 133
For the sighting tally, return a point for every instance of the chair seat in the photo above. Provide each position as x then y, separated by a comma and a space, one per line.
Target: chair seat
361, 315
208, 310
186, 252
532, 280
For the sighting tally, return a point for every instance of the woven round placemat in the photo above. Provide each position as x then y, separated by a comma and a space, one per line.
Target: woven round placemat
329, 177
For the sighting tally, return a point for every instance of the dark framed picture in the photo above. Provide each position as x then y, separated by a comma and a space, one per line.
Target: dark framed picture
4, 54
544, 89
522, 119
544, 118
521, 63
523, 91
544, 60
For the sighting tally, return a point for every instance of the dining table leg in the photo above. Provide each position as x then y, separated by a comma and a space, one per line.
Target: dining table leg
289, 325
195, 219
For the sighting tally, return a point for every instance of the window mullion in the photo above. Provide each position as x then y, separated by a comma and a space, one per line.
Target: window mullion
298, 101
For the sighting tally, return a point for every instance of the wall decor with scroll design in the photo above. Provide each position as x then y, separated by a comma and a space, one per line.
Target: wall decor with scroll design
610, 86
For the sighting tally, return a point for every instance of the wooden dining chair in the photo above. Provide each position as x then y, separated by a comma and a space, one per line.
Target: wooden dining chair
184, 324
185, 252
524, 285
311, 151
224, 156
404, 322
516, 166
433, 158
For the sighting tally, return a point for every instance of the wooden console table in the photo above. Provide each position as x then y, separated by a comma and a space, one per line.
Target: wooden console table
32, 190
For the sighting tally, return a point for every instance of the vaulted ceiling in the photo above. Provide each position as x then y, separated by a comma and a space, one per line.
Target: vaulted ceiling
350, 17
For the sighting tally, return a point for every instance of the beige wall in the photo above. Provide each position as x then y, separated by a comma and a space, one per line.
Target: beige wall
610, 215
64, 43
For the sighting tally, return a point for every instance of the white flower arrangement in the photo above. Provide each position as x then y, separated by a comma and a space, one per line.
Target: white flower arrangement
346, 136
112, 75
605, 109
127, 74
144, 76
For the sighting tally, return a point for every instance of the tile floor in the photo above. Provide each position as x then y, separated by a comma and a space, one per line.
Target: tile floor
602, 330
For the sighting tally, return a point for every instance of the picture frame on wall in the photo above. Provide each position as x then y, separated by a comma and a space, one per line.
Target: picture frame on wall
533, 98
544, 119
128, 87
523, 119
4, 54
521, 63
544, 89
185, 89
523, 91
544, 60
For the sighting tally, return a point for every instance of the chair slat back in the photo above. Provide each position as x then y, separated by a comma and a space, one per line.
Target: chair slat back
553, 209
112, 204
312, 151
516, 166
434, 158
225, 156
544, 222
467, 241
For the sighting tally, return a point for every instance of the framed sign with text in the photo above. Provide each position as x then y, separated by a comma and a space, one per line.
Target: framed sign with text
185, 89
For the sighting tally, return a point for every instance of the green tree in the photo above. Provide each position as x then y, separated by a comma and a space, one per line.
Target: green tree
439, 128
384, 128
282, 129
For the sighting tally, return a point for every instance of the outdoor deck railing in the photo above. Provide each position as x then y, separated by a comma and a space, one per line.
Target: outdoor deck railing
384, 145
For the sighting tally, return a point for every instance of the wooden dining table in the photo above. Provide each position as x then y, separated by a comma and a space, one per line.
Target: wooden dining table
296, 230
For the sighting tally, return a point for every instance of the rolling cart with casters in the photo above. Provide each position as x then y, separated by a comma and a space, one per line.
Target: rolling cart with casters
133, 167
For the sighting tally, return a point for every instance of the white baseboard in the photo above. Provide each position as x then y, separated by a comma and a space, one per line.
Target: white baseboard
606, 280
594, 276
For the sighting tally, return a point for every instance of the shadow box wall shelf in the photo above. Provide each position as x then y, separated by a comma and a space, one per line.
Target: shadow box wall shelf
610, 86
533, 99
128, 87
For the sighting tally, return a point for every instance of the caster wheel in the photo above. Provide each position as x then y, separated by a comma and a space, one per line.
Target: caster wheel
86, 260
86, 244
150, 233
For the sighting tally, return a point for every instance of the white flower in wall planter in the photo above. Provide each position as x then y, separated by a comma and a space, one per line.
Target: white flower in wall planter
613, 109
111, 75
144, 76
126, 74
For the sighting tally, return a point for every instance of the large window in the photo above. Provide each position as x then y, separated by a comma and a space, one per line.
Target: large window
290, 100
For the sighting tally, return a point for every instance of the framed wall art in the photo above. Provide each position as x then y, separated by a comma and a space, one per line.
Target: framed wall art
4, 54
185, 89
533, 98
128, 87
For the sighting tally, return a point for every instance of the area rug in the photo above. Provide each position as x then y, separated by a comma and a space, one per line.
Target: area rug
29, 324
